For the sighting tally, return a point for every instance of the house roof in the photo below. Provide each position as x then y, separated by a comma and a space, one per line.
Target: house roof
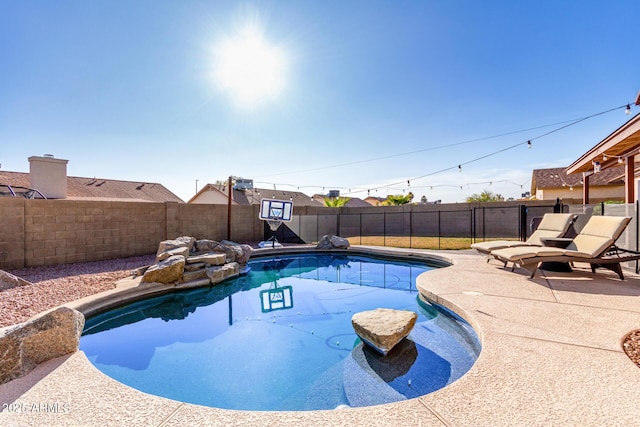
252, 196
101, 189
557, 177
353, 202
375, 201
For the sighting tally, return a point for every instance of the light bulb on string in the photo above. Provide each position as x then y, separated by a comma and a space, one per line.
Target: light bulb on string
459, 168
627, 110
604, 157
620, 161
529, 144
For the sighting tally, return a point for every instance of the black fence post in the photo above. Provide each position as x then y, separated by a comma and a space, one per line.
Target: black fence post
523, 223
384, 229
439, 229
410, 227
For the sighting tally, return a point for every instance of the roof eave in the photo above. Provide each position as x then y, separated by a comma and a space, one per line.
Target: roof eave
622, 142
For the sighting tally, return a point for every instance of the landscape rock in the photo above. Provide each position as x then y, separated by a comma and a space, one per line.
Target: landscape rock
209, 259
46, 337
188, 276
244, 252
8, 280
167, 245
193, 266
206, 245
218, 274
183, 250
166, 271
333, 242
190, 242
383, 328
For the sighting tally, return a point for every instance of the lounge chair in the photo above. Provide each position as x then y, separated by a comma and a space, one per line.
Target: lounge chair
552, 225
595, 245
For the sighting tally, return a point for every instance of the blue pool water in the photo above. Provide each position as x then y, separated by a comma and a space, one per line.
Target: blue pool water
280, 338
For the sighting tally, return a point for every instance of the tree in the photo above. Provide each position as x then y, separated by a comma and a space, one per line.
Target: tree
336, 202
485, 196
400, 199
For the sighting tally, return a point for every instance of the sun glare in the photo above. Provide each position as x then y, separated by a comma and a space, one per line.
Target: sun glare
249, 69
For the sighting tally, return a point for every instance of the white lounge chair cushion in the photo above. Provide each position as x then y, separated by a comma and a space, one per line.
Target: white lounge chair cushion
598, 234
524, 252
497, 244
555, 222
552, 225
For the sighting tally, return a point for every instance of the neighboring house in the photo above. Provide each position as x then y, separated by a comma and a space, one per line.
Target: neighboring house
49, 176
375, 201
219, 195
554, 183
353, 202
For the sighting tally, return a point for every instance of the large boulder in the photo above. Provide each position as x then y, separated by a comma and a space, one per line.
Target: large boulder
220, 273
46, 337
167, 245
8, 280
166, 271
234, 252
243, 252
188, 240
182, 250
333, 242
383, 328
208, 259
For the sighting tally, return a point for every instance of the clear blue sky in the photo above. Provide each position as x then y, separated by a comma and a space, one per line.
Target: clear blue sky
126, 90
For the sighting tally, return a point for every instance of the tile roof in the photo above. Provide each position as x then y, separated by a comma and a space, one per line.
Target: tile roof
101, 189
556, 177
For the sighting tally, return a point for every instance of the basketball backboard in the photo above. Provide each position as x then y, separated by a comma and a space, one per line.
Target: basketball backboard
272, 209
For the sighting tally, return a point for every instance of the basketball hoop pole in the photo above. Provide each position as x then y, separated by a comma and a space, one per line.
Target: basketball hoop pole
229, 210
274, 225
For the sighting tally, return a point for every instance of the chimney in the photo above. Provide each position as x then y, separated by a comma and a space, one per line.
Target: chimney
49, 175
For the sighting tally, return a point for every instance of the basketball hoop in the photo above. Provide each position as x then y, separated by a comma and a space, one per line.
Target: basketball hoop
274, 224
274, 212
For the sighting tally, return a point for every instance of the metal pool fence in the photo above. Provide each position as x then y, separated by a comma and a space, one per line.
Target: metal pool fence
444, 229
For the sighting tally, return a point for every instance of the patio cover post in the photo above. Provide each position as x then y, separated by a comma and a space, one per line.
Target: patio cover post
585, 188
629, 180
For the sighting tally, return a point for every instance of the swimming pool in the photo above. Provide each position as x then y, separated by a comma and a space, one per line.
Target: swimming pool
280, 338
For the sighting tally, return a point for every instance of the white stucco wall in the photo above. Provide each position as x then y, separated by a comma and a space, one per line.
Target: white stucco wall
595, 193
212, 197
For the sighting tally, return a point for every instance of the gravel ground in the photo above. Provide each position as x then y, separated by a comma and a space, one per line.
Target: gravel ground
55, 285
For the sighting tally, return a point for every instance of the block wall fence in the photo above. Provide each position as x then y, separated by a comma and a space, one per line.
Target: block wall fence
49, 232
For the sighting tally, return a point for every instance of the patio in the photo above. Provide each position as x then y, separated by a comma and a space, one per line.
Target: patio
551, 355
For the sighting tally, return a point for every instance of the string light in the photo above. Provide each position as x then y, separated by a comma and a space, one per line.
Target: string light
620, 161
627, 110
528, 143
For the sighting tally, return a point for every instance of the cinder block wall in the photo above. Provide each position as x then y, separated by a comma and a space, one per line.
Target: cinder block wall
12, 232
48, 232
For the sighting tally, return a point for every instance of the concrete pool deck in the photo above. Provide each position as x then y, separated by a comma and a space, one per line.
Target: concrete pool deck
552, 355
